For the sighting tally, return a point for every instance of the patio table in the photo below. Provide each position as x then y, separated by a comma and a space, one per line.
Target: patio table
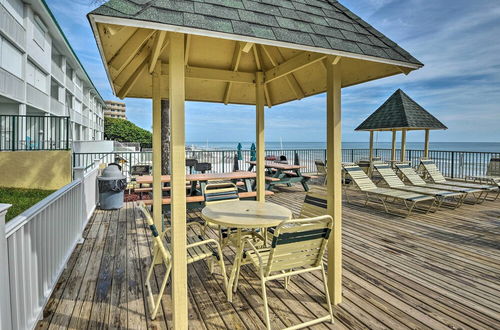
284, 173
244, 215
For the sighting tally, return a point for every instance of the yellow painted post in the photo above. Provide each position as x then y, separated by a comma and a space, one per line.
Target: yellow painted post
157, 191
334, 179
259, 125
426, 146
403, 145
393, 150
178, 182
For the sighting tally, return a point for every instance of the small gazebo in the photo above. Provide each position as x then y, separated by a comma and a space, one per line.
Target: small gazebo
240, 52
400, 113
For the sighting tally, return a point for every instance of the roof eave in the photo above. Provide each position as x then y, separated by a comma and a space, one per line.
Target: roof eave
400, 129
96, 18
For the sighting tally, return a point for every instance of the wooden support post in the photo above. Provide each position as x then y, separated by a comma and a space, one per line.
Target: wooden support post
157, 189
426, 145
370, 158
393, 150
178, 181
334, 176
403, 145
259, 125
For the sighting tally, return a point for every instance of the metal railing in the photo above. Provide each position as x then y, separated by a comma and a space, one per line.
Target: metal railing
19, 132
39, 243
454, 164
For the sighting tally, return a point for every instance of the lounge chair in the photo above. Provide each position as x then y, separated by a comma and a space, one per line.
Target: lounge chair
436, 176
492, 173
198, 248
413, 178
442, 196
321, 169
409, 199
297, 247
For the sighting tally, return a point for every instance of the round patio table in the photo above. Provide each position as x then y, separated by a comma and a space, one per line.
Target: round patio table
244, 215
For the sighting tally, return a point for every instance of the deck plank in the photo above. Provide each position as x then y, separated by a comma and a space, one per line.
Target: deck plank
427, 271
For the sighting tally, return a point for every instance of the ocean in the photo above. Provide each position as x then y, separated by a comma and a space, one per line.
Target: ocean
273, 145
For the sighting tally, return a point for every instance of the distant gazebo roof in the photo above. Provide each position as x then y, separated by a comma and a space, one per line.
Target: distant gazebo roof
400, 112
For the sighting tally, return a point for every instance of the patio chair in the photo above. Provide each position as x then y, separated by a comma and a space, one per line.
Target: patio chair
321, 169
492, 175
221, 193
393, 181
382, 195
409, 174
198, 248
298, 246
430, 168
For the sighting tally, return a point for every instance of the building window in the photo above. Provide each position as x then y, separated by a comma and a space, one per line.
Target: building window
11, 59
39, 30
15, 8
36, 77
69, 73
78, 82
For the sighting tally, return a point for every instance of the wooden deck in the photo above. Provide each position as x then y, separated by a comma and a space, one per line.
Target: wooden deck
431, 271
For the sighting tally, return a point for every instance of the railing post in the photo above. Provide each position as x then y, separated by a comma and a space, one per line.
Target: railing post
5, 305
13, 125
452, 164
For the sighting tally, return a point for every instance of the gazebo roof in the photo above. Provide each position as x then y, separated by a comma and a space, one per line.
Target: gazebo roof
228, 41
399, 112
315, 23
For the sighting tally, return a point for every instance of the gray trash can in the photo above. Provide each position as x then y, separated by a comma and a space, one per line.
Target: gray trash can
112, 184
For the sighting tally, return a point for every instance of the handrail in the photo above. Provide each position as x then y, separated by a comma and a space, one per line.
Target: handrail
13, 225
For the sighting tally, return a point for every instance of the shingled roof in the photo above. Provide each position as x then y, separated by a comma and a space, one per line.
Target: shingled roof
398, 112
321, 24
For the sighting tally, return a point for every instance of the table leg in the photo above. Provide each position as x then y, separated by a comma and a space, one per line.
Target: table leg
236, 265
303, 181
193, 188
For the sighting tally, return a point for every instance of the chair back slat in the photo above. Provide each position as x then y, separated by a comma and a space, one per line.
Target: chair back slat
493, 167
320, 167
314, 205
359, 177
388, 175
410, 174
299, 243
220, 192
432, 170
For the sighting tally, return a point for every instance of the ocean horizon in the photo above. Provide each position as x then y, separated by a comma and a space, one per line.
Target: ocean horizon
277, 145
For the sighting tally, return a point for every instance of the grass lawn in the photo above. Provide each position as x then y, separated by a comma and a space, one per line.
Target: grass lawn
21, 199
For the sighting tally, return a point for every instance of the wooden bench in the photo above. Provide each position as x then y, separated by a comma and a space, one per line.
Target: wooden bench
270, 178
201, 199
150, 189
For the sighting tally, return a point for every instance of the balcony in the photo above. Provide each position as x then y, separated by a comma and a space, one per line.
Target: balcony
70, 85
57, 73
12, 28
56, 107
37, 98
11, 85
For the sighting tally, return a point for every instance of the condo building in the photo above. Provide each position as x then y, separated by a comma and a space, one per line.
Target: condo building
115, 109
45, 92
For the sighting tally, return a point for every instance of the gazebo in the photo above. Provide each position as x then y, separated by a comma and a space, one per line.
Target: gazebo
239, 52
400, 113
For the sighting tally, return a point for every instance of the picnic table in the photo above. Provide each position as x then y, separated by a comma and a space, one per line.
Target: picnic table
278, 173
203, 178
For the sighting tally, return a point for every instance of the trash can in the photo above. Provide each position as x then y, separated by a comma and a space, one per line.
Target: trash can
112, 184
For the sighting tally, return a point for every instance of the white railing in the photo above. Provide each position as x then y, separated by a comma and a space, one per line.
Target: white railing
38, 245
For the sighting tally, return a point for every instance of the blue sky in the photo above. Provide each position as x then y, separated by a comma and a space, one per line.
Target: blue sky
457, 40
